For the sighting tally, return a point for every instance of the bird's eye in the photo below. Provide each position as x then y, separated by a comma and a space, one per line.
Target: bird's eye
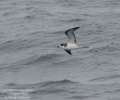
61, 44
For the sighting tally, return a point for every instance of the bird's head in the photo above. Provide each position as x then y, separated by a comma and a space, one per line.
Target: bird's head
62, 45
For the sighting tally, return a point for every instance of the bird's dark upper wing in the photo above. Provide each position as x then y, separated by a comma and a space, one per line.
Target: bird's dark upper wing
70, 34
68, 51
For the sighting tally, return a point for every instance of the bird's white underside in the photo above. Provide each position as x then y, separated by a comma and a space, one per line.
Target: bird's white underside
72, 46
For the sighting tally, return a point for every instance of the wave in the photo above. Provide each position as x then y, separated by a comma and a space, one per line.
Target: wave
61, 82
56, 87
41, 59
32, 60
105, 50
78, 97
106, 78
66, 89
16, 45
37, 89
44, 84
73, 20
44, 87
3, 94
69, 3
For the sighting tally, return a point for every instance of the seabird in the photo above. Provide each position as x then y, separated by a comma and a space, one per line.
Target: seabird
72, 42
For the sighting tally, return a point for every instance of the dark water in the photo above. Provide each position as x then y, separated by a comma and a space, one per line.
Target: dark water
32, 68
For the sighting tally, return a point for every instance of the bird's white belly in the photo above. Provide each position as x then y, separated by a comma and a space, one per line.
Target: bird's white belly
72, 46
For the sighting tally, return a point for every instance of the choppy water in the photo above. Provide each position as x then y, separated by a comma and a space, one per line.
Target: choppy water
32, 68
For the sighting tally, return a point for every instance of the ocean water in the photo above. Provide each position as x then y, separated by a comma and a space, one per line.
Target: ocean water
33, 68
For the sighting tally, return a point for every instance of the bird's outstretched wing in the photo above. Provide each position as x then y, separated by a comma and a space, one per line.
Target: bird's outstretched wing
68, 51
70, 34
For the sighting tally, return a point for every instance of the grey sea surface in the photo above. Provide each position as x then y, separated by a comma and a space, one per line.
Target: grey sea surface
33, 68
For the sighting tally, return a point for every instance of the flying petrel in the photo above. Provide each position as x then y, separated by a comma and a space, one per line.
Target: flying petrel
72, 42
